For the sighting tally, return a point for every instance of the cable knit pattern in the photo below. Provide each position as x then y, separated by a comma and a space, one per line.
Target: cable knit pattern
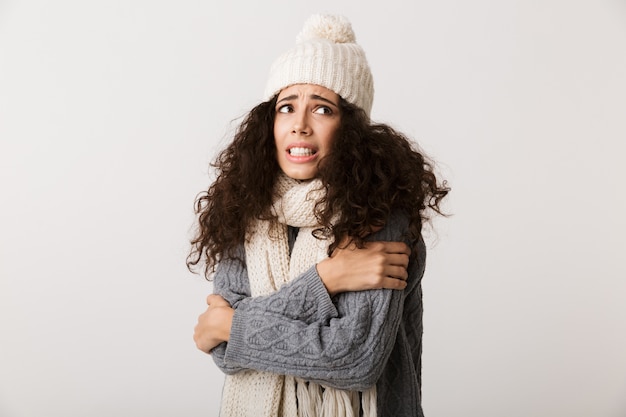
353, 341
270, 266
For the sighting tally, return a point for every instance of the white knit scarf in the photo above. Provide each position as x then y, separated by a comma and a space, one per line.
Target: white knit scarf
264, 394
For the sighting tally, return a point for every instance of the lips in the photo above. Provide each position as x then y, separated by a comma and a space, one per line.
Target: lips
300, 153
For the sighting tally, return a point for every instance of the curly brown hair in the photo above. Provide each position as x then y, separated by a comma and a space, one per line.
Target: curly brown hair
370, 171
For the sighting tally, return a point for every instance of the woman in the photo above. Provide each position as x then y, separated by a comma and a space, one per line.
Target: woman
313, 229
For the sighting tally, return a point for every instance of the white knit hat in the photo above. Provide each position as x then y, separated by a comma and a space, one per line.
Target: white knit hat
326, 54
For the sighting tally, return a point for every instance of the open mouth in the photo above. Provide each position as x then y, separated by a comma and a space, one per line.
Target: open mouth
300, 151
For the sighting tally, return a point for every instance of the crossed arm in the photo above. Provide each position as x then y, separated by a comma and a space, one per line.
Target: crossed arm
299, 330
377, 265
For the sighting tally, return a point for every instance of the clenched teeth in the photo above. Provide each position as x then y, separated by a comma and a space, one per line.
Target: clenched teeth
301, 151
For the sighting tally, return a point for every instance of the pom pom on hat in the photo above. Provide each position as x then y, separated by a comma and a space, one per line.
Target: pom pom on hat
332, 27
326, 54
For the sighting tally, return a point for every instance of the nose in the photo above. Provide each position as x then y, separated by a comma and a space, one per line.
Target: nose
301, 124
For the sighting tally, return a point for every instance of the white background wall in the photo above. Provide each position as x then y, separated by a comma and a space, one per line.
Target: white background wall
110, 112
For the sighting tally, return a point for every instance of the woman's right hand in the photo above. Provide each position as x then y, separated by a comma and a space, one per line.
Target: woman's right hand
377, 265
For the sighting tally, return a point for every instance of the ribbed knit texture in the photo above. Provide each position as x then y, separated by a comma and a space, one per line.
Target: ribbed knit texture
270, 266
326, 54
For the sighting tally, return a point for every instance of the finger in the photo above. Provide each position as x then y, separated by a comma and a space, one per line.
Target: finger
398, 259
393, 283
216, 300
396, 272
196, 337
390, 247
397, 247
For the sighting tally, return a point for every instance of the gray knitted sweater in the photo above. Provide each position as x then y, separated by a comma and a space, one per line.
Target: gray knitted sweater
351, 341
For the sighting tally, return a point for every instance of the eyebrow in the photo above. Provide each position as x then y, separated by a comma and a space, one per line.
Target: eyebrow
312, 96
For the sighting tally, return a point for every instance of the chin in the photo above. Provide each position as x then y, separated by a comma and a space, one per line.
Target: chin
299, 175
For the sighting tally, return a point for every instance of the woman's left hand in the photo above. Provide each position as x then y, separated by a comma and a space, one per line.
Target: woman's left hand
214, 324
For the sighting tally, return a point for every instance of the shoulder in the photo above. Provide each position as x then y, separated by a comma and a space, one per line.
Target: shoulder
395, 229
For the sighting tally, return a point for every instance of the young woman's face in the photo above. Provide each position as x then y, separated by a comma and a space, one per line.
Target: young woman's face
307, 121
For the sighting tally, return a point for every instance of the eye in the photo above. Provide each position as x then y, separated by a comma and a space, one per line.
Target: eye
285, 109
323, 110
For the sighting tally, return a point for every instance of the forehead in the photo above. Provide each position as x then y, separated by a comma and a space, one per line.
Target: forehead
307, 90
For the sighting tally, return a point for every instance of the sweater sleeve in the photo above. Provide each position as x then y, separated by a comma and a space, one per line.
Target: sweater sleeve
348, 350
305, 299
